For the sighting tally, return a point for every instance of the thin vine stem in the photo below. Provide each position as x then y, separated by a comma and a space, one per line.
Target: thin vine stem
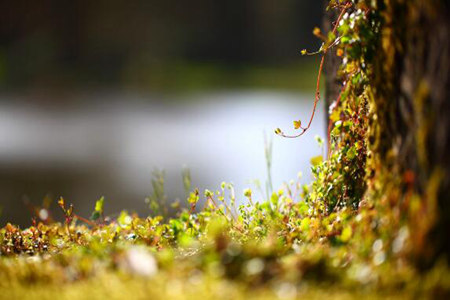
319, 76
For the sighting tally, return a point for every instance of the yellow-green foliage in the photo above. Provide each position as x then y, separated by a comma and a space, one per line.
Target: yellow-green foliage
273, 248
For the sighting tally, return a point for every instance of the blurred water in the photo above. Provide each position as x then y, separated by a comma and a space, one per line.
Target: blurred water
110, 143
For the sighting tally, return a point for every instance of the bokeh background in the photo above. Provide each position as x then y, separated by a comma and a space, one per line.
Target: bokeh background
94, 95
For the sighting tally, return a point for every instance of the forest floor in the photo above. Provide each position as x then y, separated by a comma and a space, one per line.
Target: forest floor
276, 249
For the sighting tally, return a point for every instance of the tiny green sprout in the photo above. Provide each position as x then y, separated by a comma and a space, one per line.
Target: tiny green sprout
280, 192
223, 185
317, 31
70, 211
248, 193
297, 124
319, 140
208, 194
193, 197
124, 219
99, 204
304, 52
278, 131
98, 210
346, 234
304, 224
316, 160
61, 202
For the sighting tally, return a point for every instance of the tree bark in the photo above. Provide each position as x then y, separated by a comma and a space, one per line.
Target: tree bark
409, 132
412, 111
331, 66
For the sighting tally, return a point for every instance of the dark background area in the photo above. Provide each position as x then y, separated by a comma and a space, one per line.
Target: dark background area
78, 44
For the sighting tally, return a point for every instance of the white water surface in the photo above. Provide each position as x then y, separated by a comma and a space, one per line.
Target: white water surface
109, 144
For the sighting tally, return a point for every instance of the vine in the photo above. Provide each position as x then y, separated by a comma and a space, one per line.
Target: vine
328, 44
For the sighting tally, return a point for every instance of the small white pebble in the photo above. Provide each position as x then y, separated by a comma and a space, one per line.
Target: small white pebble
43, 214
254, 266
34, 259
379, 258
377, 245
138, 260
286, 291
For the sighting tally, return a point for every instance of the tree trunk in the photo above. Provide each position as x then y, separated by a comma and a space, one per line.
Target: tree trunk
411, 135
332, 62
408, 163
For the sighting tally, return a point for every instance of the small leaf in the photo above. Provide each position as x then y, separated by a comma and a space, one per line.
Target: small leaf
124, 219
278, 131
317, 32
316, 160
351, 153
61, 202
69, 211
331, 37
209, 194
345, 40
297, 124
98, 210
274, 199
304, 225
319, 140
335, 116
346, 234
95, 215
194, 197
99, 205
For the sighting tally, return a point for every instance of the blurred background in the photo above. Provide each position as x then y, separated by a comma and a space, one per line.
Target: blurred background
94, 95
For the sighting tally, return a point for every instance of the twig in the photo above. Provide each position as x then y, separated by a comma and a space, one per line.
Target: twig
322, 61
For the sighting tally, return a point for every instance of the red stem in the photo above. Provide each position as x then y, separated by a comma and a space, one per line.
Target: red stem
322, 61
85, 220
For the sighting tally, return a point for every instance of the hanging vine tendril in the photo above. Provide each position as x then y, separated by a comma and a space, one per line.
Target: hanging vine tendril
323, 50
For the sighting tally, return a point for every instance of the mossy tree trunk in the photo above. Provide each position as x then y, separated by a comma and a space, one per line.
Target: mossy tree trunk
410, 134
332, 83
408, 142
